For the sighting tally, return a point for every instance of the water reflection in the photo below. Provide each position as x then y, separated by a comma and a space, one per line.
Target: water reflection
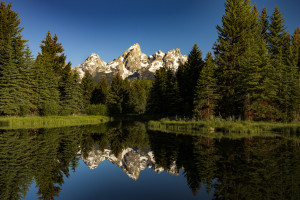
248, 168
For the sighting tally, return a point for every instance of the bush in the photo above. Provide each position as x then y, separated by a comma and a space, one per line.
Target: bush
49, 108
99, 109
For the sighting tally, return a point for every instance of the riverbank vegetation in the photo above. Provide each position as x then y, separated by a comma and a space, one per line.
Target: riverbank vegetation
216, 125
34, 122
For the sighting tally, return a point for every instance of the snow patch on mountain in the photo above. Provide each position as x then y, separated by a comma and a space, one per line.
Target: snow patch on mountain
132, 62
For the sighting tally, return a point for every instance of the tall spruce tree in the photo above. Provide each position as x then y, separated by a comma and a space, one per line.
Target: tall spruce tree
206, 96
49, 65
164, 95
264, 23
281, 58
12, 48
187, 77
87, 87
28, 84
70, 92
237, 27
116, 95
296, 50
100, 92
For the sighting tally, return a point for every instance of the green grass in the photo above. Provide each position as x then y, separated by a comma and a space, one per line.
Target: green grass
218, 127
32, 122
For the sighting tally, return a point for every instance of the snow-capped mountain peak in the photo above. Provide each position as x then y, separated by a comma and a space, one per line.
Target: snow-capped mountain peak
131, 64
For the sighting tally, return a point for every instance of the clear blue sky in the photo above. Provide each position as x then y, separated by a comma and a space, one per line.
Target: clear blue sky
109, 27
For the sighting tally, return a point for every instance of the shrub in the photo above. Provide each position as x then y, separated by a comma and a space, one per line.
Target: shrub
49, 108
99, 109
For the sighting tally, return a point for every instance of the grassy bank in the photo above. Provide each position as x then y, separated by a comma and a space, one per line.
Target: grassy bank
49, 121
216, 125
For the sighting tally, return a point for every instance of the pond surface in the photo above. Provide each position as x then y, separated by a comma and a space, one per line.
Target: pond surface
127, 161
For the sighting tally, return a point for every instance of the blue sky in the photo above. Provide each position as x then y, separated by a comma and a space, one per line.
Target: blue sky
109, 27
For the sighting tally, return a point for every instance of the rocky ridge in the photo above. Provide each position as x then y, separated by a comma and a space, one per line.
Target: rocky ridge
131, 64
131, 161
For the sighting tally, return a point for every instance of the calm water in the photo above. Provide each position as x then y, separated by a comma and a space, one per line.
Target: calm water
126, 161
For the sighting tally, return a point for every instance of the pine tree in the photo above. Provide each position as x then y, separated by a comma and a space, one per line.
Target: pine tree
28, 84
264, 24
70, 92
187, 77
238, 24
100, 92
296, 50
156, 101
281, 58
48, 69
137, 97
164, 94
296, 45
116, 95
87, 87
206, 96
12, 48
77, 95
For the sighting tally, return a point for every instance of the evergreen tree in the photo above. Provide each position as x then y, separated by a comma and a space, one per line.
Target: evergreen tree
138, 97
28, 84
77, 95
116, 95
264, 24
87, 87
238, 24
296, 50
12, 48
156, 101
164, 94
281, 55
187, 77
70, 92
47, 75
100, 92
206, 91
296, 45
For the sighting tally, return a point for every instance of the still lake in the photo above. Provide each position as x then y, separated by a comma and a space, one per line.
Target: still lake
123, 160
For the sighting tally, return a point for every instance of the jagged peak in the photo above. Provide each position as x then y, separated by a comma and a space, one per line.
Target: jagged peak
94, 55
135, 46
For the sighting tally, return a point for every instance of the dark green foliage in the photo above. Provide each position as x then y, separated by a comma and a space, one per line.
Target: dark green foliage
238, 24
100, 92
206, 96
264, 24
187, 77
12, 48
49, 67
284, 60
164, 94
28, 83
117, 93
137, 98
71, 99
296, 51
87, 87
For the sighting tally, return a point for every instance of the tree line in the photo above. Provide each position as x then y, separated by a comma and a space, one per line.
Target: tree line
253, 74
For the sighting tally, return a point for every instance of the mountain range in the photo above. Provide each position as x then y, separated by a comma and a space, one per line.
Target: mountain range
132, 64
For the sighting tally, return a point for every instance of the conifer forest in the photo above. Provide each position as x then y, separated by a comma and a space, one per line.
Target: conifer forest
251, 73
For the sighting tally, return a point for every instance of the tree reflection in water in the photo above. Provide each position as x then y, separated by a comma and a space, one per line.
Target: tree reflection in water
247, 168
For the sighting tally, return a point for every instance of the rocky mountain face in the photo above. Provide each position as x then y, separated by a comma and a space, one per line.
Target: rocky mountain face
132, 64
131, 161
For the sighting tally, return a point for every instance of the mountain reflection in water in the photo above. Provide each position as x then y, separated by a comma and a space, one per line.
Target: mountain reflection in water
246, 168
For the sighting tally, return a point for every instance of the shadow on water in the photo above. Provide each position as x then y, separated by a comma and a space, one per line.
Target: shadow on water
243, 168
